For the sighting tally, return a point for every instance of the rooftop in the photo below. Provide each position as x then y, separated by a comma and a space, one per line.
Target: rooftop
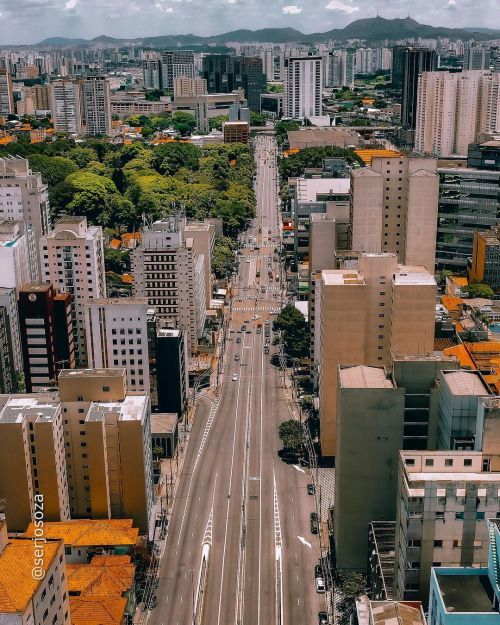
117, 301
131, 408
17, 584
413, 276
341, 277
465, 593
395, 613
103, 576
311, 137
17, 409
92, 373
97, 610
90, 532
465, 383
364, 377
163, 423
309, 188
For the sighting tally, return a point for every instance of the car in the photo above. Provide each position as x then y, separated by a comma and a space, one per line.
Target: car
266, 350
263, 289
243, 328
247, 260
311, 489
314, 523
246, 321
238, 339
320, 585
259, 330
236, 357
274, 312
322, 618
267, 322
255, 317
235, 377
318, 570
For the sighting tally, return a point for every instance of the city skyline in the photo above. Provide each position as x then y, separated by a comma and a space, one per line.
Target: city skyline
23, 23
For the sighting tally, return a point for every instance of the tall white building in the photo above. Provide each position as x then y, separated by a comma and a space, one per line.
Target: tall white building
168, 271
72, 258
15, 268
453, 108
6, 93
66, 105
97, 105
24, 198
340, 71
117, 337
303, 83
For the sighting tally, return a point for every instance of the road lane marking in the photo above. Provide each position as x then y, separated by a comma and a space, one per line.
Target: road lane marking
304, 542
300, 469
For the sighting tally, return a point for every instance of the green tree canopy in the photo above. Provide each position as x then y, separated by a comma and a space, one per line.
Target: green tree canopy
295, 331
183, 123
54, 169
170, 157
215, 123
480, 290
291, 435
82, 156
223, 259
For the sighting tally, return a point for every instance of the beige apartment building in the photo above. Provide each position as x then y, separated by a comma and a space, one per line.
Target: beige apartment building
203, 235
444, 499
32, 450
366, 315
189, 87
24, 599
394, 206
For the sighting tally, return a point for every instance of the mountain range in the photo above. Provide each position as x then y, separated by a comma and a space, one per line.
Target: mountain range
371, 29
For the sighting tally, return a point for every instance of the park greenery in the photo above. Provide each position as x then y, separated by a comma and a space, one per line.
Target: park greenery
295, 331
223, 260
480, 290
291, 435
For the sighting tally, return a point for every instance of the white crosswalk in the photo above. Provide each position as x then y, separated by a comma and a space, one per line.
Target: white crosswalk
256, 308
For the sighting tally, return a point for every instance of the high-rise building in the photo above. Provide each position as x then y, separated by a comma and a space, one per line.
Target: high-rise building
8, 302
303, 84
6, 93
66, 105
172, 371
168, 271
416, 61
453, 108
96, 105
24, 198
175, 63
8, 373
398, 67
151, 71
367, 314
107, 435
443, 500
72, 258
45, 322
117, 337
203, 235
14, 256
189, 86
477, 57
485, 267
340, 70
32, 449
468, 202
394, 205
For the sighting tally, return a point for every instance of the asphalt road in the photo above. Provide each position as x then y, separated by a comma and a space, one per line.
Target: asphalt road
237, 500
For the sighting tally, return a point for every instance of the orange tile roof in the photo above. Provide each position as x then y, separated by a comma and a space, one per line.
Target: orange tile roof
90, 532
105, 576
451, 303
367, 156
459, 280
97, 610
17, 584
127, 278
127, 236
462, 354
6, 140
115, 244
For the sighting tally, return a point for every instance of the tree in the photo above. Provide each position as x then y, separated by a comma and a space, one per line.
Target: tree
183, 123
54, 169
273, 87
291, 435
215, 123
480, 290
295, 331
350, 586
117, 261
82, 156
257, 119
120, 180
223, 257
158, 452
170, 157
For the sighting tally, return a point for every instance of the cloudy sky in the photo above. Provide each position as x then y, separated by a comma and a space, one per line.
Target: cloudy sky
29, 21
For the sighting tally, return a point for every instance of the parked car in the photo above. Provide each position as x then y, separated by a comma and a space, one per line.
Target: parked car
235, 377
320, 585
318, 570
236, 357
322, 618
311, 489
314, 523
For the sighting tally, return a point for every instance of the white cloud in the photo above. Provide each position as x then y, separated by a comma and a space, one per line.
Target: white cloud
292, 9
71, 4
342, 7
452, 3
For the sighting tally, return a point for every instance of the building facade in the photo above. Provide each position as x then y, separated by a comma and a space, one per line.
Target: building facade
303, 84
66, 105
96, 105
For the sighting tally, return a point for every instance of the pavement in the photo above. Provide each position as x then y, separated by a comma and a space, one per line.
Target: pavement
239, 549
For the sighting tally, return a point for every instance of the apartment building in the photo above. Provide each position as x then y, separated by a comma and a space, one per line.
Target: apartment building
108, 446
24, 198
96, 105
453, 108
32, 449
6, 93
443, 500
117, 337
8, 372
340, 68
468, 202
66, 105
171, 275
14, 256
8, 302
45, 322
189, 87
176, 63
203, 235
25, 598
151, 72
485, 267
367, 314
303, 83
394, 205
477, 57
72, 259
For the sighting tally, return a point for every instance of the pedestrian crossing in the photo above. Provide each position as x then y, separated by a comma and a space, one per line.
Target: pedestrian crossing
256, 309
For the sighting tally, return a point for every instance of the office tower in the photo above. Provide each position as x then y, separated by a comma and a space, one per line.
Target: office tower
340, 70
8, 303
177, 63
398, 67
303, 87
26, 599
253, 80
468, 202
8, 373
172, 371
66, 105
394, 205
45, 322
367, 314
416, 61
72, 258
96, 105
477, 57
14, 256
117, 337
453, 108
485, 267
443, 500
151, 71
189, 86
32, 449
24, 197
107, 438
169, 272
203, 235
6, 93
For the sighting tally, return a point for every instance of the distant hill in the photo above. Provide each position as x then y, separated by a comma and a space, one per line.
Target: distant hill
370, 29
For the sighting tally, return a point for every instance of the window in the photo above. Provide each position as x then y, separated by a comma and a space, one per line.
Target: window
467, 462
105, 389
438, 544
457, 543
448, 462
439, 515
410, 462
429, 462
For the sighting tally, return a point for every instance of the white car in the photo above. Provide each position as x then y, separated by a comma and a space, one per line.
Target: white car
235, 377
320, 585
255, 317
247, 260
